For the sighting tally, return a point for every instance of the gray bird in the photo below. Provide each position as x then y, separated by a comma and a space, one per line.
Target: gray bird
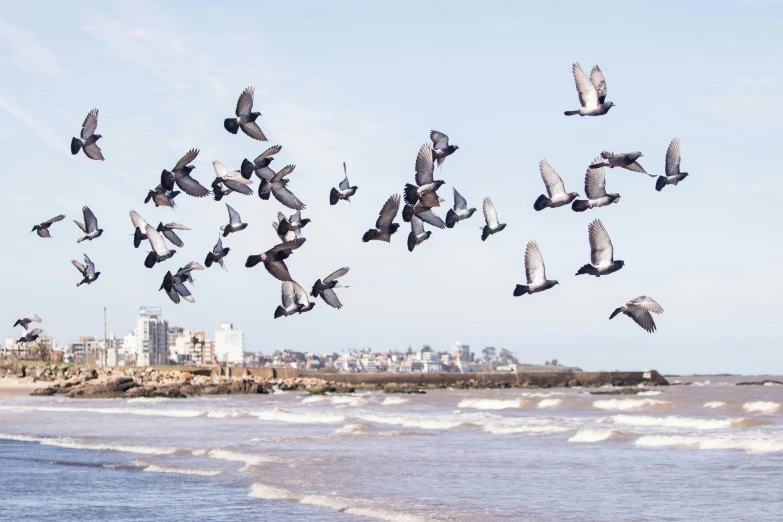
326, 287
459, 212
227, 181
87, 270
289, 235
278, 186
162, 197
274, 259
245, 117
89, 227
673, 174
89, 139
288, 297
554, 188
302, 299
160, 252
535, 272
234, 222
185, 272
30, 337
180, 175
639, 310
427, 185
592, 92
427, 215
261, 162
344, 192
493, 226
174, 286
43, 229
168, 232
601, 252
440, 146
293, 222
217, 254
25, 321
625, 160
384, 226
417, 235
595, 189
139, 228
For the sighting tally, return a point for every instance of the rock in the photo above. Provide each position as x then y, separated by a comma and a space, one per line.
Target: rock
43, 392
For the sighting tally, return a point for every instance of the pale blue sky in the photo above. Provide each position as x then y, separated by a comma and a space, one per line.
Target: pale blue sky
364, 83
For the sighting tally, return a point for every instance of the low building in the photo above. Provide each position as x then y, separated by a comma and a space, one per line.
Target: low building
229, 344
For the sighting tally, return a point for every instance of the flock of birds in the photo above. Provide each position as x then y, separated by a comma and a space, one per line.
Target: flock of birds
420, 201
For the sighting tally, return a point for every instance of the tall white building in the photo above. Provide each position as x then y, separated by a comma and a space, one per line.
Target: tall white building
229, 344
461, 351
152, 344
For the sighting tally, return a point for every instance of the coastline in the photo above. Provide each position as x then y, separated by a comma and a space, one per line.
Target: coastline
13, 387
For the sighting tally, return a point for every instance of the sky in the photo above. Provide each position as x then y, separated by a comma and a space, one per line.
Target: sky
364, 83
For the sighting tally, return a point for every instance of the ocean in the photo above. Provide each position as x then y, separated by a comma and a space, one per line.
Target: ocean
709, 450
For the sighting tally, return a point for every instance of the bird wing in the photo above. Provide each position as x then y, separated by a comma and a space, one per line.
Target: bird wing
271, 151
645, 303
642, 318
173, 237
424, 165
431, 218
245, 102
439, 140
636, 168
597, 79
278, 269
673, 158
490, 214
189, 267
55, 219
90, 270
388, 212
90, 124
33, 318
191, 187
90, 221
280, 217
218, 248
265, 173
300, 296
187, 158
459, 202
80, 267
254, 131
287, 293
220, 170
156, 241
344, 184
554, 184
173, 295
137, 220
182, 290
233, 215
34, 332
93, 152
295, 217
176, 226
238, 186
287, 198
417, 225
534, 264
601, 250
588, 95
285, 171
81, 226
331, 298
336, 274
595, 181
288, 245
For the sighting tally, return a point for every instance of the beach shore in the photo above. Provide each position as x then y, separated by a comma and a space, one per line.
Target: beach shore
13, 387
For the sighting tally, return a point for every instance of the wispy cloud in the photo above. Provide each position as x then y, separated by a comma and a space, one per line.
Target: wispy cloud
38, 127
28, 53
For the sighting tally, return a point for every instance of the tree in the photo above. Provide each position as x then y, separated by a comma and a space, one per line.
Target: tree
39, 352
554, 362
507, 357
488, 353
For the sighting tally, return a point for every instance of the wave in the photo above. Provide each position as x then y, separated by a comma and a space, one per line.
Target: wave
631, 404
714, 404
159, 468
236, 456
149, 399
749, 445
596, 435
684, 422
506, 429
549, 403
279, 414
764, 407
349, 429
649, 393
110, 411
425, 422
65, 442
349, 401
391, 401
495, 404
314, 398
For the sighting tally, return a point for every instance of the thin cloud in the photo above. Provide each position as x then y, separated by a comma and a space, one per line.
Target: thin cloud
30, 54
23, 115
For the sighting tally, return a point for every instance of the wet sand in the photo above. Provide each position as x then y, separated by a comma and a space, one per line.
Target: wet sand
12, 387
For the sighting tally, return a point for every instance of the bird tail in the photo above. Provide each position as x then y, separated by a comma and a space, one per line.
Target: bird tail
167, 180
152, 258
334, 196
407, 213
252, 261
411, 194
580, 205
451, 218
148, 198
587, 269
369, 235
521, 290
210, 259
485, 233
598, 165
283, 227
263, 192
411, 242
138, 237
616, 311
280, 311
571, 113
18, 322
316, 289
81, 239
542, 202
660, 183
76, 145
247, 168
80, 283
231, 125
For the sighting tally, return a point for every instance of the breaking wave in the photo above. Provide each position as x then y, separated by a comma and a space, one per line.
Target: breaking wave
279, 414
596, 435
631, 404
649, 393
65, 442
506, 429
754, 445
714, 404
159, 468
765, 407
112, 411
391, 401
495, 404
549, 403
673, 421
236, 456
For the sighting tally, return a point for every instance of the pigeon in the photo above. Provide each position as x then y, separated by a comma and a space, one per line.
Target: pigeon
89, 227
234, 222
535, 272
595, 189
491, 217
25, 321
43, 229
289, 306
626, 160
246, 120
592, 92
425, 214
88, 271
440, 146
417, 234
261, 162
180, 175
227, 182
185, 272
326, 288
301, 298
460, 211
274, 259
289, 235
345, 191
293, 222
601, 252
278, 186
30, 336
174, 286
89, 139
427, 186
139, 228
217, 254
162, 197
673, 174
554, 187
384, 228
160, 252
168, 232
639, 310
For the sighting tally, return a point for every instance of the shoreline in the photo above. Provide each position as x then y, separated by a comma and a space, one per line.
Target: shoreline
14, 387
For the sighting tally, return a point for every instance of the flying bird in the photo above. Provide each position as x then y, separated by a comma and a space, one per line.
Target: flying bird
87, 270
493, 226
227, 181
160, 252
217, 254
89, 227
601, 252
625, 160
162, 197
43, 229
168, 232
180, 175
302, 299
592, 92
30, 336
554, 188
234, 222
427, 186
289, 234
673, 174
174, 286
185, 272
417, 234
384, 228
595, 189
261, 162
427, 215
344, 192
25, 321
326, 287
293, 222
274, 259
139, 228
459, 212
639, 310
278, 186
289, 306
89, 139
441, 147
245, 118
535, 272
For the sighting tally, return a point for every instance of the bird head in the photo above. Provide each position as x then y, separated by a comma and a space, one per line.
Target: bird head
255, 115
609, 105
188, 168
97, 137
393, 228
97, 274
616, 311
100, 231
636, 154
684, 175
440, 182
620, 263
556, 282
36, 227
615, 197
226, 250
427, 234
303, 222
574, 194
456, 147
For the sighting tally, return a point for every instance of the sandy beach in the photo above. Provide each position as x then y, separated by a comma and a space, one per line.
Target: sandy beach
12, 387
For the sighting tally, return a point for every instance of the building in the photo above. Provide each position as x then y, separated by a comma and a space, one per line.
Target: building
87, 350
152, 344
229, 344
188, 347
430, 361
461, 351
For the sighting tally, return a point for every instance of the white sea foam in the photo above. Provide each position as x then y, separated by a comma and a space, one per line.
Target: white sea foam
595, 435
549, 403
673, 421
631, 404
764, 407
649, 393
159, 468
714, 404
495, 404
349, 401
391, 401
109, 411
227, 414
235, 456
65, 442
149, 399
749, 445
425, 422
351, 429
507, 429
281, 415
314, 398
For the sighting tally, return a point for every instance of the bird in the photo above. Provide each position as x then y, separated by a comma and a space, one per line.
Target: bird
139, 228
595, 190
261, 162
278, 185
25, 321
89, 139
441, 147
326, 287
274, 259
180, 175
493, 226
289, 306
43, 229
384, 228
87, 270
344, 192
174, 286
245, 118
427, 215
673, 174
625, 160
185, 271
417, 235
427, 186
160, 252
293, 222
639, 310
234, 222
217, 254
168, 232
459, 212
226, 182
592, 92
90, 225
301, 298
554, 188
30, 336
162, 197
535, 272
289, 234
601, 252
